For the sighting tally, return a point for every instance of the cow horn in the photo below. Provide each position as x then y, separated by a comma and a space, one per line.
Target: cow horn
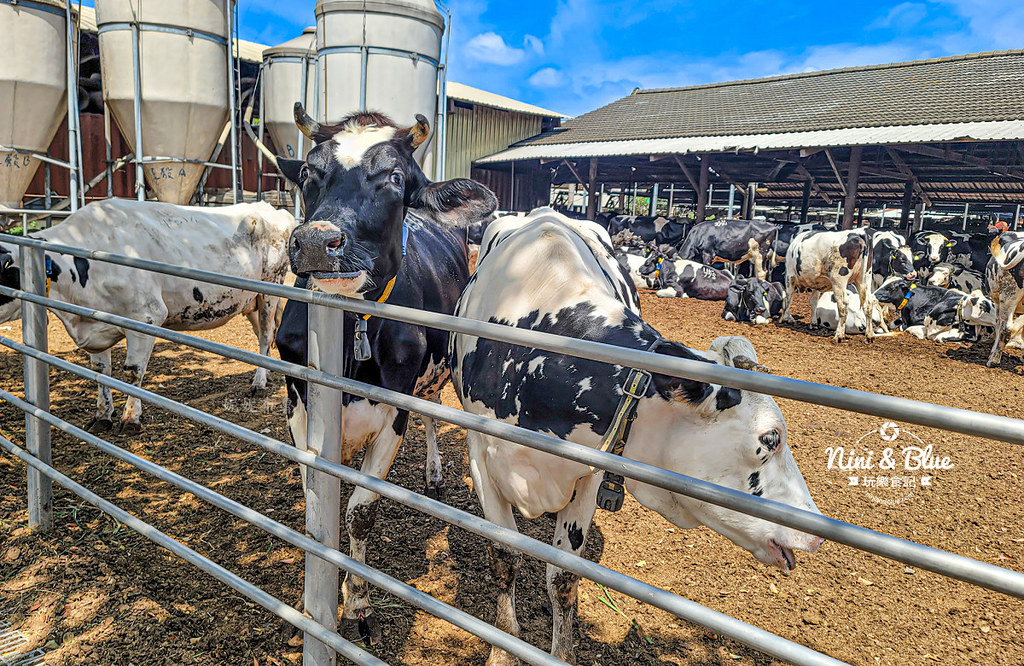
419, 132
746, 363
308, 126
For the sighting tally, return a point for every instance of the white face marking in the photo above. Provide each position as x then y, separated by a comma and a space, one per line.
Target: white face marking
352, 142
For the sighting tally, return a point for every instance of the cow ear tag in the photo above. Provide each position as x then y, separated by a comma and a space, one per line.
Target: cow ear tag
361, 344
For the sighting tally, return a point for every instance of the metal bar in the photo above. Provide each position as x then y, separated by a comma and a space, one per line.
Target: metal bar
954, 419
260, 83
272, 604
732, 200
37, 389
232, 104
377, 50
39, 156
140, 179
949, 564
387, 583
1016, 217
363, 58
657, 597
967, 207
71, 62
109, 151
323, 491
184, 160
160, 27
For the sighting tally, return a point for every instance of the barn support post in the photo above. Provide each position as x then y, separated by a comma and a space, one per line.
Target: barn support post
805, 202
839, 212
751, 201
852, 180
323, 491
702, 190
140, 181
654, 200
963, 226
672, 192
1016, 217
860, 215
592, 194
789, 211
919, 216
632, 203
732, 201
512, 190
621, 208
37, 389
906, 204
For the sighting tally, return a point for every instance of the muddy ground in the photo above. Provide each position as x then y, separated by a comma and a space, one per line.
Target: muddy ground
93, 592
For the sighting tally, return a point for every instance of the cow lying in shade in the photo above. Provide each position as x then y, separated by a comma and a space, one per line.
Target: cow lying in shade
825, 313
244, 240
753, 300
549, 274
935, 309
957, 277
682, 278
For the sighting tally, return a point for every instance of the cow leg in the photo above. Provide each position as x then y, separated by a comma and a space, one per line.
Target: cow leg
297, 424
571, 529
140, 348
359, 520
787, 300
867, 304
263, 320
504, 561
1005, 307
839, 294
104, 417
435, 486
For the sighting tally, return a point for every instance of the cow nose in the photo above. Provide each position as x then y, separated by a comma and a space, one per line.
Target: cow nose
911, 275
316, 247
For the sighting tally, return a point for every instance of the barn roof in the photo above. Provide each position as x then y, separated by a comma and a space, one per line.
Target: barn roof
978, 96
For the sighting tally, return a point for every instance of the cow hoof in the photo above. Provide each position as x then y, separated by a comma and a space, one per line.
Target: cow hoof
501, 658
99, 424
366, 629
257, 390
436, 491
129, 428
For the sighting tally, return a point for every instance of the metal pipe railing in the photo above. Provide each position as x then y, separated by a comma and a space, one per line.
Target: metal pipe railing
675, 604
274, 605
407, 593
954, 419
942, 562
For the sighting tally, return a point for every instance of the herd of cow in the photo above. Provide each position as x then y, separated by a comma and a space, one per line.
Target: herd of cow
942, 286
377, 229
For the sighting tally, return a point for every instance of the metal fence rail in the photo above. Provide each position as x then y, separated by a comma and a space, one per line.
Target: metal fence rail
954, 419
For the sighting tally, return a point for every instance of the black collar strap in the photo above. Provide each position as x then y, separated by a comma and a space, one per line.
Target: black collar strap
906, 297
611, 493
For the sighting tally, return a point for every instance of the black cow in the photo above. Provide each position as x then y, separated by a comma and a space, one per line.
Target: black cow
685, 279
659, 229
731, 241
374, 221
969, 250
890, 256
753, 300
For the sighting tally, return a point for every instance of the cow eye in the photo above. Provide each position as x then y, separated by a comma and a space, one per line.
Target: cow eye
396, 178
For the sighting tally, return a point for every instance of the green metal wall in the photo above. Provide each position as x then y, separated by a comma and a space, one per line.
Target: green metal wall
481, 131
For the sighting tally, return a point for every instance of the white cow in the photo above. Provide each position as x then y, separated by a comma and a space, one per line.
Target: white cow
549, 273
244, 240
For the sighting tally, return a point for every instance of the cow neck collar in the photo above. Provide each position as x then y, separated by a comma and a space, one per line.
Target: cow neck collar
906, 297
610, 494
391, 283
958, 318
49, 273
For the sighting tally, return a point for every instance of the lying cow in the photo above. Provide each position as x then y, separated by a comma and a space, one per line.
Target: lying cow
825, 312
376, 229
682, 278
661, 230
956, 277
753, 300
831, 260
735, 438
935, 309
731, 241
1005, 277
244, 240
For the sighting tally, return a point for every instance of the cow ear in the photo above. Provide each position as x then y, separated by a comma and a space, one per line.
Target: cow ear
458, 202
677, 388
291, 169
416, 135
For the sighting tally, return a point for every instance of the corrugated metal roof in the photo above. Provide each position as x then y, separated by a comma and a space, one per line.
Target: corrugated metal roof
1003, 130
248, 51
466, 93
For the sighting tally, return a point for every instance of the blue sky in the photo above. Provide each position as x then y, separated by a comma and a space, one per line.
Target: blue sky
576, 55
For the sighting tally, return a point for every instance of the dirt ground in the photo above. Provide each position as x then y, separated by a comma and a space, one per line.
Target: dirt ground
93, 592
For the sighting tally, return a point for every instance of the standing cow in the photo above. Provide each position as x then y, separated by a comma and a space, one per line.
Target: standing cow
1005, 277
244, 240
732, 241
830, 260
377, 229
548, 274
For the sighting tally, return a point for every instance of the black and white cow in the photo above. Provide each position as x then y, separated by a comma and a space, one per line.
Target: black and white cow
969, 250
753, 300
929, 248
373, 217
734, 438
831, 260
682, 278
731, 241
1005, 277
957, 277
935, 309
245, 240
659, 229
890, 256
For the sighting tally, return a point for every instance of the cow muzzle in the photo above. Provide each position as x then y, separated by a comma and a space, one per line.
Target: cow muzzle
317, 248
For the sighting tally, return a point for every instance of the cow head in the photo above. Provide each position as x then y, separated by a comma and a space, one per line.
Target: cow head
10, 276
978, 310
930, 248
762, 300
734, 438
358, 183
894, 291
658, 269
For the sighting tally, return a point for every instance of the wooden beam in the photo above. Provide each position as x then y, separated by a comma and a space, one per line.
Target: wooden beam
726, 177
807, 152
835, 170
906, 205
622, 199
853, 179
702, 192
962, 158
686, 172
802, 170
592, 194
573, 169
805, 202
658, 158
905, 169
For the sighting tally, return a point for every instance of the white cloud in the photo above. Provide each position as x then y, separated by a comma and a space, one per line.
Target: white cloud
994, 24
490, 47
902, 16
548, 77
534, 44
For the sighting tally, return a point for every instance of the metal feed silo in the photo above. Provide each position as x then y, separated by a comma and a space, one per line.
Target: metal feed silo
33, 85
181, 81
287, 68
380, 55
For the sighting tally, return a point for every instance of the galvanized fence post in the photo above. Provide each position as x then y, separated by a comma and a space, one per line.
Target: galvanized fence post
37, 389
323, 491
